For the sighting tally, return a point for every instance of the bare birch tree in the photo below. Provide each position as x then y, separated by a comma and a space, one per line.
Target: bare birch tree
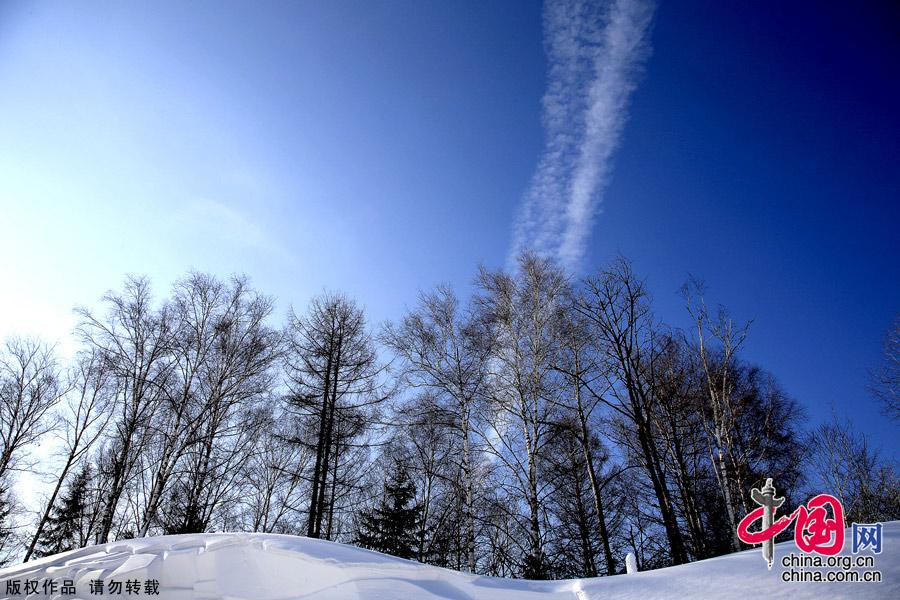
524, 315
885, 380
273, 488
83, 421
848, 467
225, 356
30, 386
718, 367
446, 352
578, 361
134, 341
616, 305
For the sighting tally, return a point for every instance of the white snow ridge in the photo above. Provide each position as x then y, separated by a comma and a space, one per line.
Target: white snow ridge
269, 567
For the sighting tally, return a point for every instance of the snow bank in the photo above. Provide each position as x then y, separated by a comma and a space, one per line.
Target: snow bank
269, 567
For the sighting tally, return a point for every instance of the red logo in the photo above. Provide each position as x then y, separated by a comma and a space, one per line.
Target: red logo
815, 531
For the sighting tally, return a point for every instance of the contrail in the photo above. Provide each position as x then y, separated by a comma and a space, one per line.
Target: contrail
596, 53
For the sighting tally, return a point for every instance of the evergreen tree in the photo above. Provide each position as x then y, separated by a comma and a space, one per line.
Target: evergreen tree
5, 510
391, 526
64, 526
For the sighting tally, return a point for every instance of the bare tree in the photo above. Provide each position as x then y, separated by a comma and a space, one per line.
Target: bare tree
335, 378
574, 553
719, 373
134, 341
616, 305
523, 312
851, 470
678, 391
30, 387
83, 421
579, 362
547, 426
885, 380
193, 317
225, 356
446, 353
425, 442
504, 543
273, 489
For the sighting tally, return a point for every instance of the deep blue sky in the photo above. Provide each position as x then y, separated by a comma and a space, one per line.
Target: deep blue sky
381, 148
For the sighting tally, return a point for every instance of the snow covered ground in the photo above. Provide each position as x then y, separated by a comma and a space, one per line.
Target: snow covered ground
259, 566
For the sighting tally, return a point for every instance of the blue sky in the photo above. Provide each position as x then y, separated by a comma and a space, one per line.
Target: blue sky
383, 147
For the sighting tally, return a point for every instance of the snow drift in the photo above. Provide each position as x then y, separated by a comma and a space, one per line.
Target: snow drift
268, 567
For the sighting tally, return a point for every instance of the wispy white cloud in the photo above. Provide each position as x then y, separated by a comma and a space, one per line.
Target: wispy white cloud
596, 53
228, 226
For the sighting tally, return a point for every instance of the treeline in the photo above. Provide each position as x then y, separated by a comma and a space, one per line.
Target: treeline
542, 427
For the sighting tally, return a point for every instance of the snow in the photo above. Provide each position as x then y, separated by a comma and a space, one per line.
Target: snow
268, 567
631, 563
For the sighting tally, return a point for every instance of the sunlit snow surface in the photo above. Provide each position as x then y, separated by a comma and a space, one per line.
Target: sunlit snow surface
268, 567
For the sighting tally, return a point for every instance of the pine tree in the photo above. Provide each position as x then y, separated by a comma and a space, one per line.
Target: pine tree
63, 529
392, 525
5, 510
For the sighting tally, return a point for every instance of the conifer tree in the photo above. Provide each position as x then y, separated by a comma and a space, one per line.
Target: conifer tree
5, 510
391, 526
64, 527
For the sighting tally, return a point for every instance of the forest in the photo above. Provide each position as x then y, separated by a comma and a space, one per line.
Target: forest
541, 425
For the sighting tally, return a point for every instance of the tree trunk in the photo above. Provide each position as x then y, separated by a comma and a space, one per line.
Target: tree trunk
468, 509
320, 447
589, 566
328, 441
651, 462
726, 493
50, 502
584, 439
